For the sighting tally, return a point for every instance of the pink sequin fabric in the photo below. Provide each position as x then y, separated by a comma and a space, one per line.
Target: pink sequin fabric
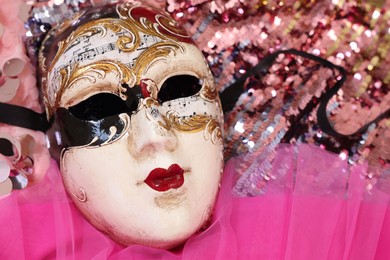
275, 108
308, 214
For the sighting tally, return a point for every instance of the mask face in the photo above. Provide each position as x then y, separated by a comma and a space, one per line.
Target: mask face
138, 121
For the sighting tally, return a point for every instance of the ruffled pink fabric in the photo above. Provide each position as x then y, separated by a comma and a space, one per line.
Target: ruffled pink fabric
316, 208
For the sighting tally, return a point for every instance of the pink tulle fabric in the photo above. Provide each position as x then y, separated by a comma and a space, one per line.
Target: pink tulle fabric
316, 208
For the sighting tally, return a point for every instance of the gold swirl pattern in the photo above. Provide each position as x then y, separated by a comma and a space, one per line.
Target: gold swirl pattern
99, 69
158, 51
197, 123
124, 43
149, 102
151, 87
209, 91
161, 123
152, 22
193, 123
170, 25
144, 26
214, 131
166, 125
42, 62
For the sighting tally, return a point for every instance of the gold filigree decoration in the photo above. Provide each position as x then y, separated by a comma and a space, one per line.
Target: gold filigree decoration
152, 89
167, 23
156, 52
124, 43
197, 123
145, 26
193, 123
171, 25
162, 124
42, 62
149, 102
214, 131
91, 72
209, 91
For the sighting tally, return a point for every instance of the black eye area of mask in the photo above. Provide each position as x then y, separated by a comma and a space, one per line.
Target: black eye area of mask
99, 106
180, 86
103, 105
95, 120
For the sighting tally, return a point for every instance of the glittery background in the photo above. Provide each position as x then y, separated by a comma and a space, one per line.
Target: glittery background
236, 35
280, 105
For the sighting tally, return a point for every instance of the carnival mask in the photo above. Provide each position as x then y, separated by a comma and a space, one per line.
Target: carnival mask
137, 123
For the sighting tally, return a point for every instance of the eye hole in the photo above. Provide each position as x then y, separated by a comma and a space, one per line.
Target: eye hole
178, 87
6, 147
99, 106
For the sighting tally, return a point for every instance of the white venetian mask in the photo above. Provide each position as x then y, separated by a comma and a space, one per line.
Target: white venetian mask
137, 124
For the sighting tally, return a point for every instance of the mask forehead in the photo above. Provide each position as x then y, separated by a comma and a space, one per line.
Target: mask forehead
124, 43
132, 48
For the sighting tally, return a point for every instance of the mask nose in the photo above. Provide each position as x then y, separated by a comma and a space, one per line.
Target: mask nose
150, 133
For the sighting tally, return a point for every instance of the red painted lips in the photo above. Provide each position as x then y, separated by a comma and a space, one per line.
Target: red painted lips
161, 179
